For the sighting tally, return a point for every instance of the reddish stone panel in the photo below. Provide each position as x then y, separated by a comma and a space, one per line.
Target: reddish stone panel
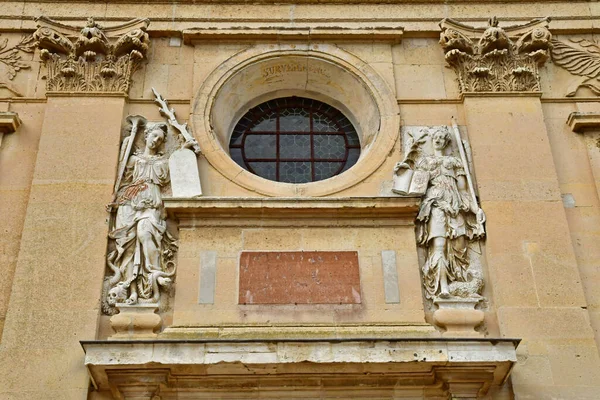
299, 277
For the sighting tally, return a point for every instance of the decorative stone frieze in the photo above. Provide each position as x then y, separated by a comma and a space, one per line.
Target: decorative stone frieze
496, 59
93, 58
581, 57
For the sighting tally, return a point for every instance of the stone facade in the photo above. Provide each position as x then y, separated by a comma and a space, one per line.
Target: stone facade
457, 258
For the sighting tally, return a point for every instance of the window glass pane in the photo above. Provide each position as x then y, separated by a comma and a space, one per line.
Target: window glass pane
294, 119
330, 146
324, 170
267, 122
236, 137
353, 155
236, 155
294, 146
294, 140
264, 169
260, 146
352, 138
295, 172
322, 123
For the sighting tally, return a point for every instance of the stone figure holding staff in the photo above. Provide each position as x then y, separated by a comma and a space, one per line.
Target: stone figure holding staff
140, 261
449, 217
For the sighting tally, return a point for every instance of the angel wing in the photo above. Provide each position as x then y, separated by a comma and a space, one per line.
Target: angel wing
576, 61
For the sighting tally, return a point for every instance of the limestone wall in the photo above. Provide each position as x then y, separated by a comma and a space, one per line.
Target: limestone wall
537, 181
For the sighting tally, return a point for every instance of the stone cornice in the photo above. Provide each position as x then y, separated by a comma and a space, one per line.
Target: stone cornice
127, 367
9, 122
581, 122
212, 211
348, 32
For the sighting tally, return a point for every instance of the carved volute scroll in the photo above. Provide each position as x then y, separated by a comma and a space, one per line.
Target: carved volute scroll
92, 58
580, 57
496, 59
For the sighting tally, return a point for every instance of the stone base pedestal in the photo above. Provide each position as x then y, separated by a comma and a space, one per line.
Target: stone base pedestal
458, 316
137, 321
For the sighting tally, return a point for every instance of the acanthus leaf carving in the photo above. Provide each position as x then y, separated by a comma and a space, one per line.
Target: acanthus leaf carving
93, 58
496, 59
583, 61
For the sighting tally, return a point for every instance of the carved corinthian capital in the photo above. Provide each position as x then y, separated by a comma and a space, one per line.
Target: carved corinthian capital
496, 59
92, 58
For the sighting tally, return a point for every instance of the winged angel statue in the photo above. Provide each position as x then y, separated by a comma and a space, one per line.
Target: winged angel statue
584, 62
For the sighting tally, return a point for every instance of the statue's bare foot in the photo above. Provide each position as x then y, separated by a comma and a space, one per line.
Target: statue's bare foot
444, 295
132, 299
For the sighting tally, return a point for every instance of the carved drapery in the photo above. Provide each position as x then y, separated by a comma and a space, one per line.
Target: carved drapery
496, 59
93, 58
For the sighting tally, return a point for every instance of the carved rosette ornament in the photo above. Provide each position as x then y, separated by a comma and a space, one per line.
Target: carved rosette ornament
93, 58
496, 59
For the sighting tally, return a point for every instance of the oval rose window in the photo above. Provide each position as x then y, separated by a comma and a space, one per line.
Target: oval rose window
294, 140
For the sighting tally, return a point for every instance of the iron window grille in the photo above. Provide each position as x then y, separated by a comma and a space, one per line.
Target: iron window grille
294, 140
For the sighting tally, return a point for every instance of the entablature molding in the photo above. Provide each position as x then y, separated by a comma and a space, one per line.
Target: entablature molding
352, 31
227, 211
126, 367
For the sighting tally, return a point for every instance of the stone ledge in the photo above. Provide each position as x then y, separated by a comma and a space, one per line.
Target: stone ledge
292, 211
348, 32
581, 121
125, 367
9, 122
304, 331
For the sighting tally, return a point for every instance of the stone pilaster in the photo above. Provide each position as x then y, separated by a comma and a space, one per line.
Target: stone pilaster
58, 278
534, 275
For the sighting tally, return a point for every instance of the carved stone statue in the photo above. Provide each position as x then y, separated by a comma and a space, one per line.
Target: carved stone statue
141, 250
449, 217
143, 246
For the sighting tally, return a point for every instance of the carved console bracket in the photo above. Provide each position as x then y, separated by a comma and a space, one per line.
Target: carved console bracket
92, 58
9, 122
580, 122
496, 59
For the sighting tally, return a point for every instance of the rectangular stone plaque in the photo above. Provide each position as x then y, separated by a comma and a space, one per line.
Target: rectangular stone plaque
299, 277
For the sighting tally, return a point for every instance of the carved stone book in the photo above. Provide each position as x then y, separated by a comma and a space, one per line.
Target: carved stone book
418, 184
410, 182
